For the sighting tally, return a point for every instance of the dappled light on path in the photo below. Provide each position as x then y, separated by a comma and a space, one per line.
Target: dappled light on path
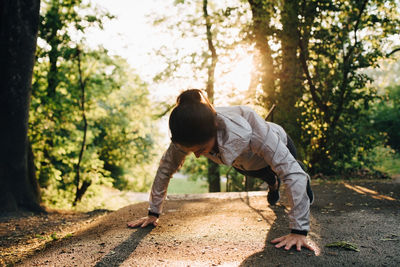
365, 191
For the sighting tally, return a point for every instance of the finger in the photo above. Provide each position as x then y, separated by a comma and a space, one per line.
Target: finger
289, 245
279, 239
298, 245
309, 246
155, 223
146, 222
281, 244
134, 224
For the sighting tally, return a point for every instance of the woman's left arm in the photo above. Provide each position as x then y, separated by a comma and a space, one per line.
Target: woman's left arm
268, 145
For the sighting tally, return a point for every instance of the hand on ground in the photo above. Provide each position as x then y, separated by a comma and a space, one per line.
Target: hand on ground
143, 222
297, 240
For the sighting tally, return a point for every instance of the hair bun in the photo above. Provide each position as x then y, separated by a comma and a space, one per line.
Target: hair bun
189, 97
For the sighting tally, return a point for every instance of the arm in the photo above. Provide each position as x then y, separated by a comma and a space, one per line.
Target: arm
268, 144
170, 162
277, 155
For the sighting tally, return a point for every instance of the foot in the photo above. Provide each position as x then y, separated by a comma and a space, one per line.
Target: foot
273, 193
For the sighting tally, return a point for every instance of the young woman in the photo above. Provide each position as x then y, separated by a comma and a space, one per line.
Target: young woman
238, 137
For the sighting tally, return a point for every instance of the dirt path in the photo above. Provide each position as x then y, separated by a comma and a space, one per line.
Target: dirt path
235, 230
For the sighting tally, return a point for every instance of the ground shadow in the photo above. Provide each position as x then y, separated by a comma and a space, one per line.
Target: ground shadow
365, 214
121, 252
267, 257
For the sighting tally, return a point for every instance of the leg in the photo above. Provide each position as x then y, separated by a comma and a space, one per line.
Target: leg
272, 180
266, 174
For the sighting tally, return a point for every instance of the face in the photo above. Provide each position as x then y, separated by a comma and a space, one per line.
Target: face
199, 150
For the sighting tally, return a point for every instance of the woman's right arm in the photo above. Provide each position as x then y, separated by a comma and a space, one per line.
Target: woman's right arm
170, 163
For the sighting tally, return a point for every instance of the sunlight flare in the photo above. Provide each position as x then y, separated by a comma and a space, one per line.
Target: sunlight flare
365, 191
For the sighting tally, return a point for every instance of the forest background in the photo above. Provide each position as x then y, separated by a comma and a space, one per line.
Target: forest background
330, 68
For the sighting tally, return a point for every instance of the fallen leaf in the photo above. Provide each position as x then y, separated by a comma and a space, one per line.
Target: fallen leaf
344, 244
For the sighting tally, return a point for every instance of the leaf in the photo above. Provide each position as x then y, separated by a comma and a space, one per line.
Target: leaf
343, 244
54, 236
40, 236
68, 235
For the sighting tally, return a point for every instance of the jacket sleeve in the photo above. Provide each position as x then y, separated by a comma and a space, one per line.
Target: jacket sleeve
170, 163
269, 145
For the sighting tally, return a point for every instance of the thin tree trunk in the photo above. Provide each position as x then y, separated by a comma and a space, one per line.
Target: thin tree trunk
19, 20
213, 168
80, 190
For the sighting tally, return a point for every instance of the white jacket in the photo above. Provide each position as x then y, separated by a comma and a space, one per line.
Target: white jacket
245, 141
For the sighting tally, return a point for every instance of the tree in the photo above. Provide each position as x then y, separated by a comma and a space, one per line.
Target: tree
337, 40
81, 189
91, 119
261, 34
290, 74
213, 168
321, 95
18, 34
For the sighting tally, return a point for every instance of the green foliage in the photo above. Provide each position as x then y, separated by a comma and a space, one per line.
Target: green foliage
341, 39
119, 144
195, 168
387, 116
385, 160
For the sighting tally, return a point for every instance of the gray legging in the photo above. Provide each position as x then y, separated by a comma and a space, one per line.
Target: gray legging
267, 174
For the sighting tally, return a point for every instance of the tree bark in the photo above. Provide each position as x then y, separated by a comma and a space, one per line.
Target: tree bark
19, 21
263, 61
214, 184
290, 74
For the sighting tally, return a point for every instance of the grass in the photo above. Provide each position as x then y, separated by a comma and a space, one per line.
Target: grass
186, 186
387, 160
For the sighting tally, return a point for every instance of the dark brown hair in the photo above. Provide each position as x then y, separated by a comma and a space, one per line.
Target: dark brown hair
193, 120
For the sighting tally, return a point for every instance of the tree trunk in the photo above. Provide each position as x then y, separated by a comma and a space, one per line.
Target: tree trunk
81, 190
290, 75
213, 168
19, 21
263, 61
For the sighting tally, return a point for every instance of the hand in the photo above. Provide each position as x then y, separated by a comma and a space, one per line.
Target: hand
294, 240
143, 222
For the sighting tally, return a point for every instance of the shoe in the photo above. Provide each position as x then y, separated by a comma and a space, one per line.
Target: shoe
273, 194
310, 193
